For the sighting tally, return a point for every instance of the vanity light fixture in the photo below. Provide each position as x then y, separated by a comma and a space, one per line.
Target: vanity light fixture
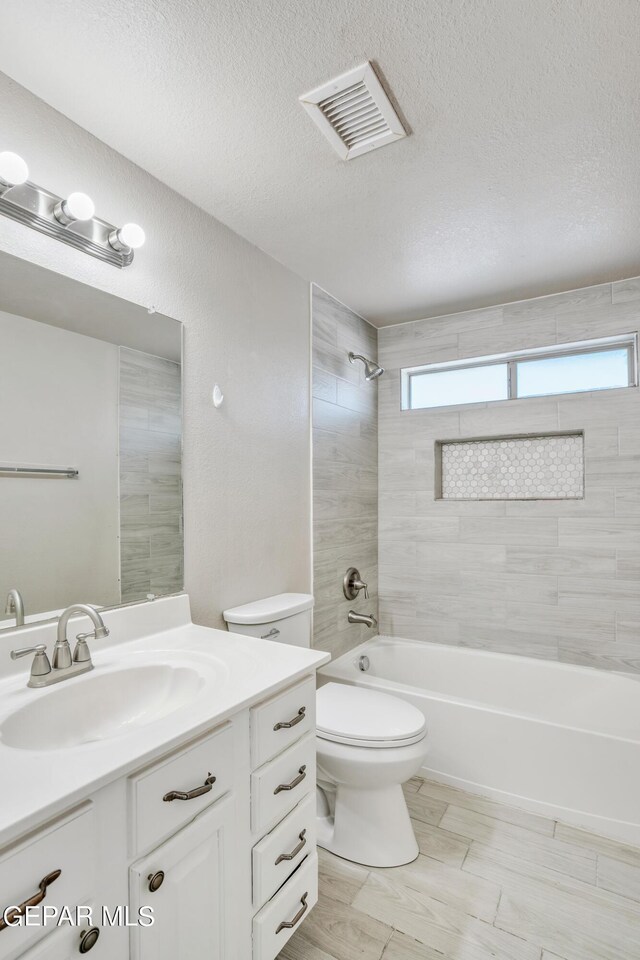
71, 220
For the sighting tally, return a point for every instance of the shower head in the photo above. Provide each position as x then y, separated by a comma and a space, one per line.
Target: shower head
371, 368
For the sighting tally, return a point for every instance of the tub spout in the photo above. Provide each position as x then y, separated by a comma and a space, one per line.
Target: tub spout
367, 618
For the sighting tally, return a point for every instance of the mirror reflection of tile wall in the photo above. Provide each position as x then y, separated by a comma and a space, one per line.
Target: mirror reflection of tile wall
151, 533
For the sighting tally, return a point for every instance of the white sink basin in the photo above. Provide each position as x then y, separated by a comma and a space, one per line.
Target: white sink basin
100, 706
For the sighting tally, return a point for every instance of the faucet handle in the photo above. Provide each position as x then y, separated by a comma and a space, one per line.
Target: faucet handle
81, 652
353, 583
40, 666
359, 585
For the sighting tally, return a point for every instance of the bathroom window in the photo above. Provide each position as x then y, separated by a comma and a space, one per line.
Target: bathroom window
603, 364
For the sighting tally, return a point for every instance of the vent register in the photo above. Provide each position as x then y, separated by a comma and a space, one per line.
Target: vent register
354, 112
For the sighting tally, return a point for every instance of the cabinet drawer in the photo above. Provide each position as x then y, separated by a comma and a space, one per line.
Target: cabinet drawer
280, 918
279, 722
64, 942
66, 845
187, 778
281, 851
278, 786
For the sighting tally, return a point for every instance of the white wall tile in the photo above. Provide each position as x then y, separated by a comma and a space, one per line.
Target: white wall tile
518, 565
345, 471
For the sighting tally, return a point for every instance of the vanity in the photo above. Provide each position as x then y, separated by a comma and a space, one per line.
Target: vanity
175, 781
168, 775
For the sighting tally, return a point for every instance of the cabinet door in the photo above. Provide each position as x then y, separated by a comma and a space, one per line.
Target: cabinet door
193, 903
62, 851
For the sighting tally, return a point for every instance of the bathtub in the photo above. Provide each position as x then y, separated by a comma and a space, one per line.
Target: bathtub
553, 738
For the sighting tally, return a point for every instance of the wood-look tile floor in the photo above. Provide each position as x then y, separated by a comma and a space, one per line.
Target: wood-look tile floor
491, 883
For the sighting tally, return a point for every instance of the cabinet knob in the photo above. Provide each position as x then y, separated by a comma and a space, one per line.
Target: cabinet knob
156, 880
88, 939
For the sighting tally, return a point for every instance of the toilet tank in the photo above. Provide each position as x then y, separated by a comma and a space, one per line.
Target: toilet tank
285, 618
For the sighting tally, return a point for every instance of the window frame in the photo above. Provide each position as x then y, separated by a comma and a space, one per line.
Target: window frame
628, 341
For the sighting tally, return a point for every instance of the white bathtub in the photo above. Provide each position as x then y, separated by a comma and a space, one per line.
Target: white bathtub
553, 738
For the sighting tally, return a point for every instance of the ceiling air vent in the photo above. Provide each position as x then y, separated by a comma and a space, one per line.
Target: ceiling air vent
354, 112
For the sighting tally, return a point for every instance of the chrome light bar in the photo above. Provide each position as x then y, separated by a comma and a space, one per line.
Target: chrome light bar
68, 219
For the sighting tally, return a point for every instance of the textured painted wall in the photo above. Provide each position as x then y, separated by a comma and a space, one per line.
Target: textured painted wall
345, 477
552, 579
150, 444
247, 484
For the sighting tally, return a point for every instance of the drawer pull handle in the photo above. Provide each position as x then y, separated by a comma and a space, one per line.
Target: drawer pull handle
296, 850
88, 940
294, 783
287, 924
291, 723
192, 794
7, 920
155, 881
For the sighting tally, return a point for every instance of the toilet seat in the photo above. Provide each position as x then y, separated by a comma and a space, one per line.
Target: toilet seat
366, 718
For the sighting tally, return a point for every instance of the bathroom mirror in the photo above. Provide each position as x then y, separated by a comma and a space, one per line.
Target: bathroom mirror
91, 446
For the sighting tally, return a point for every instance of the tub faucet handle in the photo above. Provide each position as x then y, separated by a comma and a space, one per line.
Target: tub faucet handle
352, 584
361, 585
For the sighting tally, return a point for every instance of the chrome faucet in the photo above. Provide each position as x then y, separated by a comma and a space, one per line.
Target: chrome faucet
367, 618
64, 665
15, 606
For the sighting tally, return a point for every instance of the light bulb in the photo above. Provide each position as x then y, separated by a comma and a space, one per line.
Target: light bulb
128, 237
132, 235
77, 206
13, 169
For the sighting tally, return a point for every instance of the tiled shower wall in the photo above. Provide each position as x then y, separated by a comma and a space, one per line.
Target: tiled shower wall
345, 474
151, 540
552, 579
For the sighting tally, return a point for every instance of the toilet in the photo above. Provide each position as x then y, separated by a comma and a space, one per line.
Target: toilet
368, 743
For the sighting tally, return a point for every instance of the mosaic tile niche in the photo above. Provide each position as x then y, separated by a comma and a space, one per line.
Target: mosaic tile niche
512, 468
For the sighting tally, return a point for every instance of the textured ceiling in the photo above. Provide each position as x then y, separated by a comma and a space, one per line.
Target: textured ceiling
520, 176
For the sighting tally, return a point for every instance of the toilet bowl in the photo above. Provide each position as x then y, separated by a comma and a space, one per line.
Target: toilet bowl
368, 743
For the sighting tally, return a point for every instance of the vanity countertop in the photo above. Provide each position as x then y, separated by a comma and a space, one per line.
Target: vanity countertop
215, 672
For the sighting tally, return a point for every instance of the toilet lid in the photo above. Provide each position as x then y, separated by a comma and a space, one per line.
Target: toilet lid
350, 714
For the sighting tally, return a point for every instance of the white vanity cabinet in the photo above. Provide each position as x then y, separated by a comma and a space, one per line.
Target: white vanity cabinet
217, 836
167, 837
